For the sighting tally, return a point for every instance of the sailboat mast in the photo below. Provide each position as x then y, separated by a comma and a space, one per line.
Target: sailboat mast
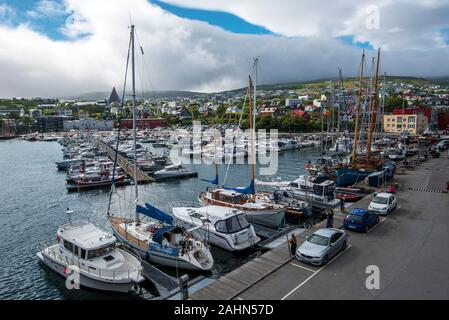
373, 108
357, 113
251, 128
136, 180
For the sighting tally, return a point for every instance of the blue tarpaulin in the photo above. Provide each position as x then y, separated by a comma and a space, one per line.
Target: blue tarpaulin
154, 213
248, 190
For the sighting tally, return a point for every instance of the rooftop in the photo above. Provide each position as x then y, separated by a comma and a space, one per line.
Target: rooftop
85, 235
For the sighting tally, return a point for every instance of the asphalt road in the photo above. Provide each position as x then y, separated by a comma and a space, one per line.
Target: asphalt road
410, 247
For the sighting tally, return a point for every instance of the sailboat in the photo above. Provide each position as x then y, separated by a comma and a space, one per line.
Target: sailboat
258, 207
159, 240
362, 164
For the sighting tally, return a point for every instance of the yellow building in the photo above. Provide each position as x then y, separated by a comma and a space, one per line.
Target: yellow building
411, 123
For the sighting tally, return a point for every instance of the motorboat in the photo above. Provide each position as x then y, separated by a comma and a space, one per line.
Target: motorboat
173, 171
224, 227
94, 256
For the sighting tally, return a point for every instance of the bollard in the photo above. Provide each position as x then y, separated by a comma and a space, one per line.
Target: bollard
184, 287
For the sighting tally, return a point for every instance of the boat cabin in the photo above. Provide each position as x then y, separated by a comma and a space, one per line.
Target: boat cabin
228, 196
86, 241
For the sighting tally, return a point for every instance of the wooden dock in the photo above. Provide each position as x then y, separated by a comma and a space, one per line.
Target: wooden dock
231, 285
124, 163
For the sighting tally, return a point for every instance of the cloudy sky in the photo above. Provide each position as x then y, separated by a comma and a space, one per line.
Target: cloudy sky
68, 47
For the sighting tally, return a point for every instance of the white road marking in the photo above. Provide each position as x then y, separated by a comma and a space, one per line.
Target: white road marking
314, 274
239, 298
380, 221
302, 267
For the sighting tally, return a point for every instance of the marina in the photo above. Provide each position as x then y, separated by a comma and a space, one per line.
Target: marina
184, 170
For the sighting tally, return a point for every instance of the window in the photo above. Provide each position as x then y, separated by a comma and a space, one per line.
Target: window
100, 251
220, 226
68, 245
83, 254
319, 240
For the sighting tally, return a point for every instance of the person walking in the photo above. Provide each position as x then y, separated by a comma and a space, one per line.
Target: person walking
293, 245
330, 219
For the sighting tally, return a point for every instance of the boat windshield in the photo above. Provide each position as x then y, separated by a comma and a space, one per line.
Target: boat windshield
91, 254
232, 225
380, 200
319, 240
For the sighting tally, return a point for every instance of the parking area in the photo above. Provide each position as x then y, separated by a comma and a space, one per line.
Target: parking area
408, 248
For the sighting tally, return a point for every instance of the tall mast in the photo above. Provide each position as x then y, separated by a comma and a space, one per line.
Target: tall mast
136, 180
357, 113
251, 128
373, 109
256, 61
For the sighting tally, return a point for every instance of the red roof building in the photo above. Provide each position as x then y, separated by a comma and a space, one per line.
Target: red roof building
143, 123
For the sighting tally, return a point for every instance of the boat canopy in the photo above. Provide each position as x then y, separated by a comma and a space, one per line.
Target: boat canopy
248, 190
154, 213
213, 181
159, 234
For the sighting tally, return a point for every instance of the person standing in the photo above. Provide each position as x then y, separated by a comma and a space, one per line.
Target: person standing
330, 218
293, 245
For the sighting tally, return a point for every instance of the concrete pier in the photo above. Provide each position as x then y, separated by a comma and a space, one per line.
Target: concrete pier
407, 250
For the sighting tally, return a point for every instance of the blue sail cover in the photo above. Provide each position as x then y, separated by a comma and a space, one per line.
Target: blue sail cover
248, 190
154, 213
213, 181
158, 235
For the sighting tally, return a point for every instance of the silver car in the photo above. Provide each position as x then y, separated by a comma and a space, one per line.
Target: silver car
321, 246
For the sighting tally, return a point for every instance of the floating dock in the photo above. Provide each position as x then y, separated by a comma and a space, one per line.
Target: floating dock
127, 166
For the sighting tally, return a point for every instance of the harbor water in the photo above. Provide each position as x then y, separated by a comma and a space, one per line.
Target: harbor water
33, 201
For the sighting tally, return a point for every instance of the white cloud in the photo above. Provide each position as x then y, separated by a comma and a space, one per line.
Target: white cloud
6, 13
188, 55
47, 9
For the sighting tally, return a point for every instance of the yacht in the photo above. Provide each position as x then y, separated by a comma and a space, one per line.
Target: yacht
101, 264
224, 227
257, 207
173, 171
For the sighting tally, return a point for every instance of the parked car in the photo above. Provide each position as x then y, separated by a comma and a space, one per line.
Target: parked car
321, 246
443, 145
383, 203
360, 220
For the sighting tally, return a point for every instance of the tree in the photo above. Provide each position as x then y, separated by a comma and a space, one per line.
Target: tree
394, 102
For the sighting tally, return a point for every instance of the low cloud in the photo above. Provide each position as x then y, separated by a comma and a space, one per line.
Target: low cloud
182, 54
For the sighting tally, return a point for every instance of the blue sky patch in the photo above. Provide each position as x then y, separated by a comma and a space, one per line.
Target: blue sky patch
349, 39
226, 21
49, 25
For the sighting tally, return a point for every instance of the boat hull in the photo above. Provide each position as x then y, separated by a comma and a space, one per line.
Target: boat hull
84, 280
272, 218
160, 257
347, 176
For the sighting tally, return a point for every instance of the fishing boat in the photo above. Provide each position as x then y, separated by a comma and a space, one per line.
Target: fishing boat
157, 240
257, 207
93, 253
363, 161
224, 227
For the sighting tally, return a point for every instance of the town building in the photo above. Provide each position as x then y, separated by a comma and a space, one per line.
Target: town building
413, 123
89, 124
143, 123
51, 123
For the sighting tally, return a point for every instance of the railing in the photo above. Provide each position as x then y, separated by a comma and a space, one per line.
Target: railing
103, 273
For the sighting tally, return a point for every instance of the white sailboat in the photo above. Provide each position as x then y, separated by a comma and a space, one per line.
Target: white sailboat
158, 241
257, 206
